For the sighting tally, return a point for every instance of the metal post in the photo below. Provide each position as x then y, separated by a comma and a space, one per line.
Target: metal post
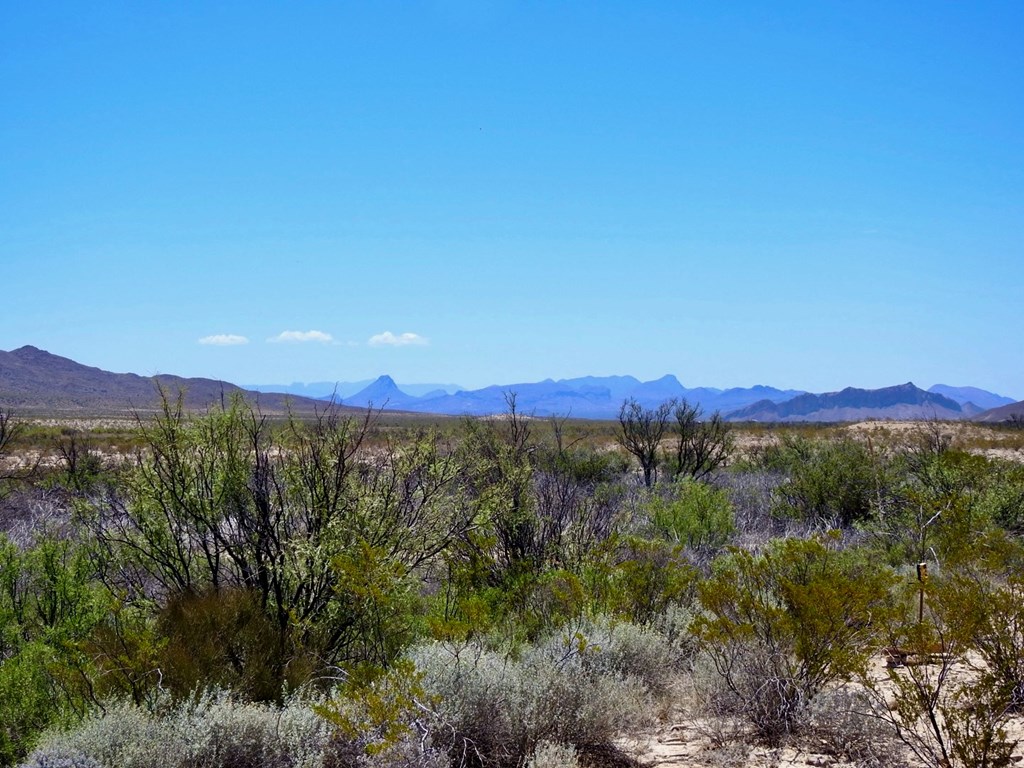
922, 577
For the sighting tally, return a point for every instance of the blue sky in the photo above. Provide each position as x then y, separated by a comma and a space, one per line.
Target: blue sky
808, 195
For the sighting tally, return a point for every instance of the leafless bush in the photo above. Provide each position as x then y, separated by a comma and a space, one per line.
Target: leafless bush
29, 513
710, 710
728, 756
752, 494
843, 726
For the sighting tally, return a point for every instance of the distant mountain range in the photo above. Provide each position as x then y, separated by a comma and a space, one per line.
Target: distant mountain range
589, 397
344, 389
600, 398
32, 380
904, 401
972, 395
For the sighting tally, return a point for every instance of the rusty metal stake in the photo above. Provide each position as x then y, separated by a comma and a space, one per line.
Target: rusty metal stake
922, 577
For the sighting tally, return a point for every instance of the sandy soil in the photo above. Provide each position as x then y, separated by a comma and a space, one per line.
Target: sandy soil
681, 747
684, 744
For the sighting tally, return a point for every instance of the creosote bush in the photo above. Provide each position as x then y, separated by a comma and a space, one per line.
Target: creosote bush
836, 481
692, 513
782, 626
842, 722
950, 704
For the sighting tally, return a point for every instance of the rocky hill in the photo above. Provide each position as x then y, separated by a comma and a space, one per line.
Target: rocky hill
35, 381
1014, 412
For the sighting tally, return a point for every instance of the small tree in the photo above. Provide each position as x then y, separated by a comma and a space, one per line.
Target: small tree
640, 432
702, 446
10, 429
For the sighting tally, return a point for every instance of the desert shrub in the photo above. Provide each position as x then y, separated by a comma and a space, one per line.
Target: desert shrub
642, 578
48, 608
702, 445
547, 600
732, 755
752, 493
60, 758
580, 464
550, 754
826, 480
710, 708
1003, 498
211, 731
842, 724
942, 710
692, 513
29, 699
81, 467
495, 710
378, 716
987, 610
945, 471
756, 697
951, 507
782, 626
654, 654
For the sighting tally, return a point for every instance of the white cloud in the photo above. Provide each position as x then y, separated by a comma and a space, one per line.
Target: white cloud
301, 336
388, 339
224, 340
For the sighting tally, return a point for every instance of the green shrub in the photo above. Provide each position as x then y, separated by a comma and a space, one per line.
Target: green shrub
944, 705
831, 481
782, 626
29, 700
49, 606
379, 717
1002, 500
221, 639
987, 611
693, 514
642, 579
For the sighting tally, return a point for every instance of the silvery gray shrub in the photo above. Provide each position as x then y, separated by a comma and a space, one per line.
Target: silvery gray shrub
211, 731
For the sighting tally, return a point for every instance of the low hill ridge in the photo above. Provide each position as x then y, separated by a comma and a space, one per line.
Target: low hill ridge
34, 380
903, 401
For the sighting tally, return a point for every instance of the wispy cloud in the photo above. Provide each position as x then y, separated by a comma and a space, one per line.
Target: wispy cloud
224, 340
389, 339
294, 337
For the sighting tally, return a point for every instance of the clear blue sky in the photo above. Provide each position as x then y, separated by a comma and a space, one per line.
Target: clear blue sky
807, 195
